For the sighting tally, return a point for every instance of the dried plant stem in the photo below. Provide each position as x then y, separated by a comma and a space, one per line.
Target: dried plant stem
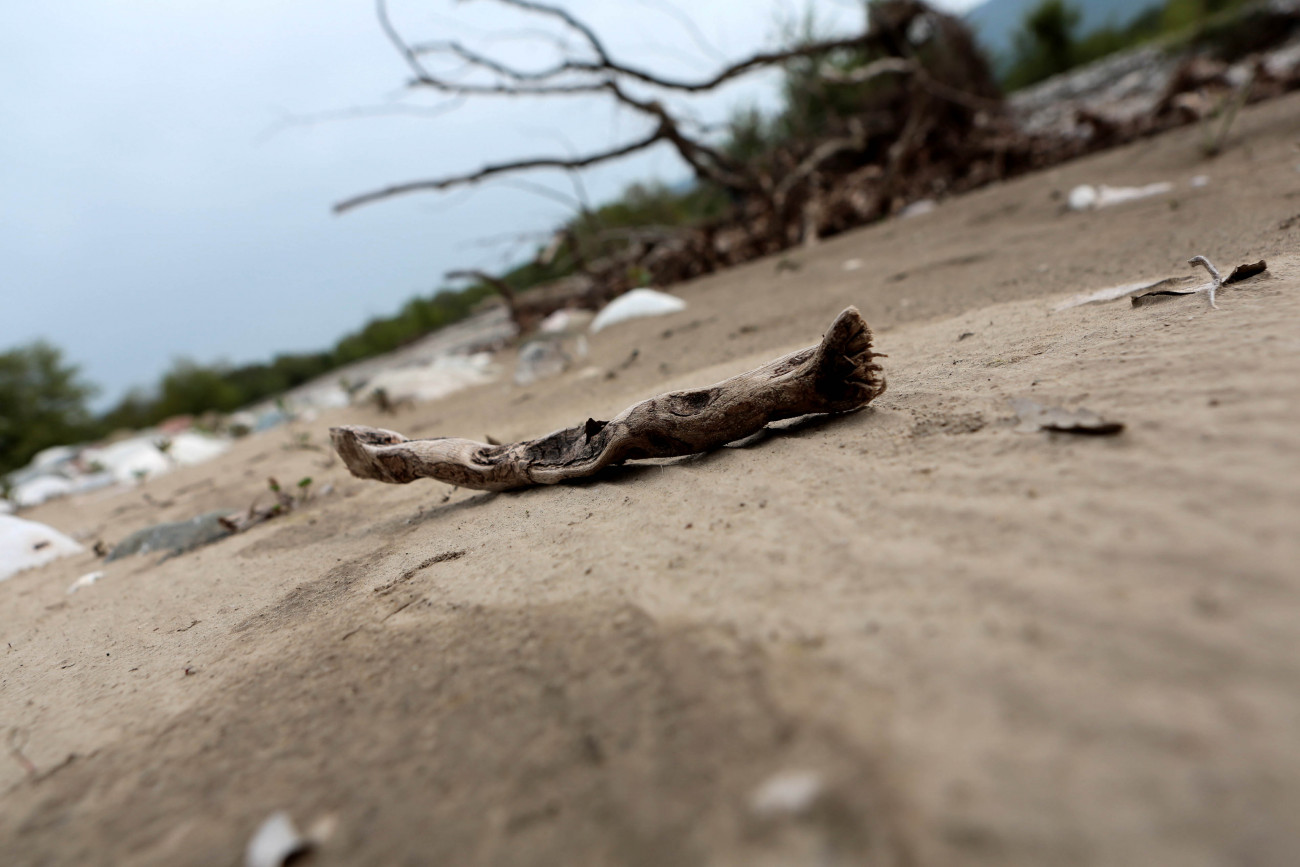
837, 375
1215, 279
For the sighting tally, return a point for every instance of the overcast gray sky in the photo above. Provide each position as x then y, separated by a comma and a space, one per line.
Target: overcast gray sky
155, 203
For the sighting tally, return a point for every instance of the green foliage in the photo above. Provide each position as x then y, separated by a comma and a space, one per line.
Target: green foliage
189, 388
192, 389
641, 206
42, 403
1047, 43
1181, 14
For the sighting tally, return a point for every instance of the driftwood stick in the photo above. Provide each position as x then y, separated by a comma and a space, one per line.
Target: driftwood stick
837, 375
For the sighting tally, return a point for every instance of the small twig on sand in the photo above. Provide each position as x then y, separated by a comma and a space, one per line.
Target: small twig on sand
1215, 280
837, 375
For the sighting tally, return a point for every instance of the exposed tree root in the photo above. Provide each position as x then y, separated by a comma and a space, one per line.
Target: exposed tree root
837, 375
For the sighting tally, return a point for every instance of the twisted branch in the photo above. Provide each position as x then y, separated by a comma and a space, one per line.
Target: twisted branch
577, 76
837, 375
497, 169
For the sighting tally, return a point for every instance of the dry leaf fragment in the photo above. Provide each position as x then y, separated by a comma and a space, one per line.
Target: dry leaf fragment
1245, 272
1035, 417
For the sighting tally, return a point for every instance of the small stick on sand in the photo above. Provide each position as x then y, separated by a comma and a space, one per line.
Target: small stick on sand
1215, 280
837, 375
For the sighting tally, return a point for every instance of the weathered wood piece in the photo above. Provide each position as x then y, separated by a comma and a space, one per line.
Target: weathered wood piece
837, 375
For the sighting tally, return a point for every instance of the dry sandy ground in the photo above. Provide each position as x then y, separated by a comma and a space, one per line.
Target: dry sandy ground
988, 646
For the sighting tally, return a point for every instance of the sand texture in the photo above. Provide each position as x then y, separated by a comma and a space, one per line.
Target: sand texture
960, 643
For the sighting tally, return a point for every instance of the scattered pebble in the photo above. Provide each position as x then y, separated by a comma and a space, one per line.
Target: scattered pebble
918, 209
636, 304
788, 793
275, 842
85, 581
27, 544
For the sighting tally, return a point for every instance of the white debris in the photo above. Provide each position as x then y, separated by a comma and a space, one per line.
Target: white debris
195, 448
852, 265
130, 460
84, 581
1086, 197
541, 359
328, 396
275, 842
788, 793
636, 304
566, 321
26, 544
53, 456
443, 376
1082, 197
1199, 181
36, 491
918, 208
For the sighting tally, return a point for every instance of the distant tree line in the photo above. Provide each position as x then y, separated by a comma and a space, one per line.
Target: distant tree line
44, 399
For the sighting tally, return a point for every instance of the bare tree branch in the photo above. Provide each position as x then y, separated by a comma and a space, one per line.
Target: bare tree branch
496, 169
574, 76
687, 24
569, 21
873, 70
828, 165
361, 112
855, 140
504, 289
605, 69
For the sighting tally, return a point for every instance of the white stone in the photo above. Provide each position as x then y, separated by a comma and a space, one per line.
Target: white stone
443, 376
84, 581
636, 304
129, 460
565, 321
52, 456
195, 448
275, 842
26, 544
918, 208
35, 491
1082, 197
788, 793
